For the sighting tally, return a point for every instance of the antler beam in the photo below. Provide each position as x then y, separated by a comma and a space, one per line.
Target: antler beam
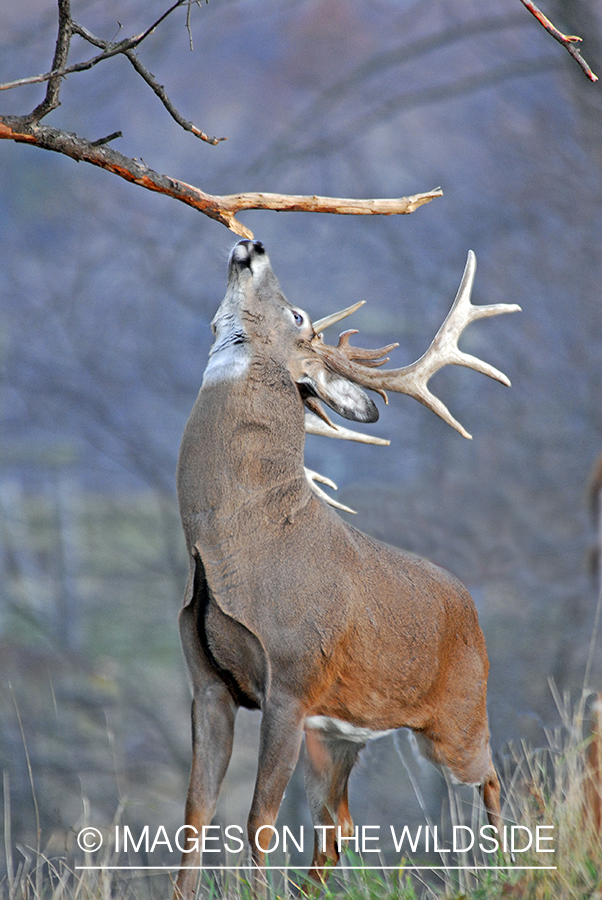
358, 365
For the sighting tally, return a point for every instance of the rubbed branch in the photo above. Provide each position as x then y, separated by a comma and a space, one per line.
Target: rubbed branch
221, 208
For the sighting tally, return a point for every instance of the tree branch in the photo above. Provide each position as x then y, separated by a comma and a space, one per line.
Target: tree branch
341, 206
61, 52
151, 81
67, 28
567, 40
221, 208
162, 95
61, 72
110, 49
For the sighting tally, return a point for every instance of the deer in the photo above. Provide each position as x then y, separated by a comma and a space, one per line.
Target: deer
336, 637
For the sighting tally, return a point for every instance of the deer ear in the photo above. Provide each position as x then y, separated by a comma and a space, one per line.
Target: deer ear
340, 394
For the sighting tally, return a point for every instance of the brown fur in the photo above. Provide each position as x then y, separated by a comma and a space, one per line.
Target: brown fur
291, 610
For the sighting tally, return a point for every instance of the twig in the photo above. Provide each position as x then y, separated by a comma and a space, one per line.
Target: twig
188, 26
111, 49
567, 40
107, 139
151, 81
63, 71
162, 95
221, 208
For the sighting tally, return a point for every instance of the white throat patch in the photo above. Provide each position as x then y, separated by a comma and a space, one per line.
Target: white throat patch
229, 355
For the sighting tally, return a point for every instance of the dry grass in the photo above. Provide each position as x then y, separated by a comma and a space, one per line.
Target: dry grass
559, 785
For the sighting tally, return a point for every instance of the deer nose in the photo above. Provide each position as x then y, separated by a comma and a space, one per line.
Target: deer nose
254, 247
244, 251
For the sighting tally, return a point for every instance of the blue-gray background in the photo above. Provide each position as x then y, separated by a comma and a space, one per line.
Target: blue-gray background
106, 292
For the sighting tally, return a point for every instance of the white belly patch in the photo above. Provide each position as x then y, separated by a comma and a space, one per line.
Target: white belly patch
336, 728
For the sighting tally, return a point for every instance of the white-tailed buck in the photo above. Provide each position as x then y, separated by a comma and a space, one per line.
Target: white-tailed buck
290, 610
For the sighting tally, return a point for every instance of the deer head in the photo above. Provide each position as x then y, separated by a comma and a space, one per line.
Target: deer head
255, 315
287, 608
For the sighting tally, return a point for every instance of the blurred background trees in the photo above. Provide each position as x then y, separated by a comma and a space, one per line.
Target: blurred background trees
106, 295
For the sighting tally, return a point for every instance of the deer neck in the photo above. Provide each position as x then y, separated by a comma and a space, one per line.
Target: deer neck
242, 449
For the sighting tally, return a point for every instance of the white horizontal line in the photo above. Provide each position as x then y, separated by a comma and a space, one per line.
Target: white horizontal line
296, 868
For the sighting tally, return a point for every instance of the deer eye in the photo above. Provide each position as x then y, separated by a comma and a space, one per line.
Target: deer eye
298, 318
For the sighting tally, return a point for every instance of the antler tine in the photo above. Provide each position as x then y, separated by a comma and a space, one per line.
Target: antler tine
333, 318
314, 425
413, 379
314, 477
370, 358
444, 348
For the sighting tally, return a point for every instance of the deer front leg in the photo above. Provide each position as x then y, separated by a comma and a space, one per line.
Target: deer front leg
212, 733
213, 715
279, 745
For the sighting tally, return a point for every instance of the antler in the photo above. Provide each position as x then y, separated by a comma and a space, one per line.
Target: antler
321, 324
324, 427
314, 477
358, 365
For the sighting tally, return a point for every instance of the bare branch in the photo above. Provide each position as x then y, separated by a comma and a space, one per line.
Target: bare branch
63, 71
61, 52
567, 40
151, 81
162, 95
221, 208
188, 26
110, 50
67, 27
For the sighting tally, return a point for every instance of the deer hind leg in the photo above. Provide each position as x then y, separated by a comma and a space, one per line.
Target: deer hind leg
328, 764
457, 731
490, 794
465, 754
